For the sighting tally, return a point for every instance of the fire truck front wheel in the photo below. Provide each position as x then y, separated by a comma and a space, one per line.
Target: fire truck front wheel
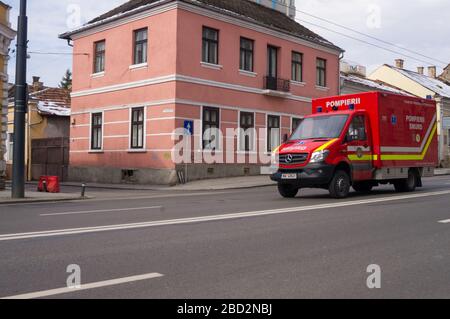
287, 190
340, 185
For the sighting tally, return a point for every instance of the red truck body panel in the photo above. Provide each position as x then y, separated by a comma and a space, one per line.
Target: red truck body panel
403, 129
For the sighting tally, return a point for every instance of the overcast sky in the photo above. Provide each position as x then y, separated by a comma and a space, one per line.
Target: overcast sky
419, 25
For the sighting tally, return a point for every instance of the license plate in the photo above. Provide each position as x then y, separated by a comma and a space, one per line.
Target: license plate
289, 176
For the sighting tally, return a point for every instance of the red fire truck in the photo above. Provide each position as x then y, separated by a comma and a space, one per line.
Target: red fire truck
360, 141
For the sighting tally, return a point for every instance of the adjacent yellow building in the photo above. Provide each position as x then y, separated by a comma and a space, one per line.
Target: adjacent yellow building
424, 86
6, 36
46, 129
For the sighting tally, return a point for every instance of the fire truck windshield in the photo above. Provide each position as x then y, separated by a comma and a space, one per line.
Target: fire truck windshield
320, 127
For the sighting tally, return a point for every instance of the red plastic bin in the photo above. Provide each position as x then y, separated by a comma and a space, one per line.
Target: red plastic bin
52, 183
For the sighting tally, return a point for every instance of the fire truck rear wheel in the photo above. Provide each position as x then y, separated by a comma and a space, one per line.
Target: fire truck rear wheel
340, 185
288, 191
362, 187
407, 185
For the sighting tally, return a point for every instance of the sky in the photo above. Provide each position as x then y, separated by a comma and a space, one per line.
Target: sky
418, 25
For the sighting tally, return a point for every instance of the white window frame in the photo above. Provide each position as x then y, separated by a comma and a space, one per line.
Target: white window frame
267, 130
255, 137
103, 132
130, 124
222, 141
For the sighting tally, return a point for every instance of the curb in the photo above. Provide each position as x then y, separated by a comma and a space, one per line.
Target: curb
43, 200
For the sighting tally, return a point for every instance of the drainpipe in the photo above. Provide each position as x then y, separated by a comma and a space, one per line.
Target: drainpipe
341, 56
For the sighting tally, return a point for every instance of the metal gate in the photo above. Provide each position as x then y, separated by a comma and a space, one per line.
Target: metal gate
50, 156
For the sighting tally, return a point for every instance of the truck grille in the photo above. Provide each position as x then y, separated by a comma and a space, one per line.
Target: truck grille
288, 159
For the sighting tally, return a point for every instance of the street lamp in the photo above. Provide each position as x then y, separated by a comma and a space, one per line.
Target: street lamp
20, 107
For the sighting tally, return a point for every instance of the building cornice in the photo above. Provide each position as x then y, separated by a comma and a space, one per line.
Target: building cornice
158, 8
180, 78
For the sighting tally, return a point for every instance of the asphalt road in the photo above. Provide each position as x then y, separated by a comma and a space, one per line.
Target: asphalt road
230, 244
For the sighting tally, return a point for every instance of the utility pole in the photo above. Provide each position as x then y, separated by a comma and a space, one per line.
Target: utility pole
20, 107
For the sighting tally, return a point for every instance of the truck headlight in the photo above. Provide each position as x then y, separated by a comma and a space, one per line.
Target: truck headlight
318, 157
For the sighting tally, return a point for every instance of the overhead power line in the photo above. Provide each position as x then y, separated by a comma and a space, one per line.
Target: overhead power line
442, 63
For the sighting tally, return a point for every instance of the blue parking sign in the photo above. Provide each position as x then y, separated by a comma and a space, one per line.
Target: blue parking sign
189, 127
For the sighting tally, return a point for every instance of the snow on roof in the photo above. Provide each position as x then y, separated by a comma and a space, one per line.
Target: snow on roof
378, 85
52, 108
435, 85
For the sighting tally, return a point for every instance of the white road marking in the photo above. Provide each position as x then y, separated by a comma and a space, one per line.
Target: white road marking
447, 221
107, 199
102, 211
65, 290
85, 230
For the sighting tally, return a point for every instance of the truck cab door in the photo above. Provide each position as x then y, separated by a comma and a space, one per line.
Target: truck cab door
359, 148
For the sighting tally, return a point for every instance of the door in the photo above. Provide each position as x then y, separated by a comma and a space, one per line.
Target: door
359, 148
272, 67
272, 56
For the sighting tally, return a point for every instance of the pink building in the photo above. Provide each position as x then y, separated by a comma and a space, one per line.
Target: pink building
149, 67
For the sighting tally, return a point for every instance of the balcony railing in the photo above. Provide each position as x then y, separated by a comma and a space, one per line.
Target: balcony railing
277, 84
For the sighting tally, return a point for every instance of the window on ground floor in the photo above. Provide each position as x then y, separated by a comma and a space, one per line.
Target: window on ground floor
448, 137
9, 146
96, 131
273, 132
296, 123
247, 132
137, 128
210, 126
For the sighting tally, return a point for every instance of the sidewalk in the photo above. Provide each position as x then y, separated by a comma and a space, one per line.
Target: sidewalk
36, 197
201, 185
442, 171
227, 183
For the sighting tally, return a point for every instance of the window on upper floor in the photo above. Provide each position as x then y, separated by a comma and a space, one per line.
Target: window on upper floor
140, 46
99, 56
321, 71
210, 47
246, 55
96, 131
297, 67
137, 128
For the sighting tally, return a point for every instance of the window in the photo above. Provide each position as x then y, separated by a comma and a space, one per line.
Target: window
448, 138
137, 128
297, 67
246, 63
140, 46
210, 128
99, 56
10, 146
272, 62
96, 131
321, 72
357, 129
320, 127
296, 123
273, 132
247, 132
210, 46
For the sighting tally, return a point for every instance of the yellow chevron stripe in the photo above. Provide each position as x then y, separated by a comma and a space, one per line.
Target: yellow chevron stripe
412, 157
324, 146
363, 158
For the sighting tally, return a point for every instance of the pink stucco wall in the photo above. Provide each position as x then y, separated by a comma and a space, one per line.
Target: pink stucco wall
174, 48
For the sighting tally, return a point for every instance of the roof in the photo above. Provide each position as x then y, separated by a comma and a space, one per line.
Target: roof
49, 101
437, 86
245, 10
372, 84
